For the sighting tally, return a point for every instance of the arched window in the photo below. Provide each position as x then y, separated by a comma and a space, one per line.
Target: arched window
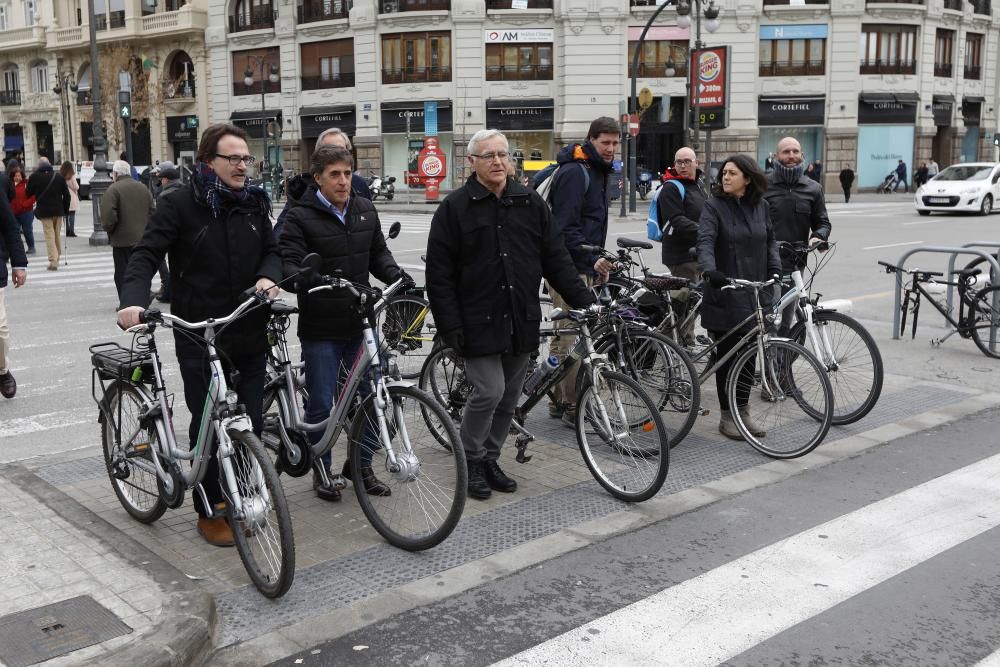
11, 80
252, 15
40, 77
83, 78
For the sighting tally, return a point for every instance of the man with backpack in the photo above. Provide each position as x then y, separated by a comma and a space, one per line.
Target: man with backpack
579, 199
678, 204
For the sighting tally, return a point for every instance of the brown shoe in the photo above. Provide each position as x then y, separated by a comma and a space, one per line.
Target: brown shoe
8, 385
52, 267
215, 531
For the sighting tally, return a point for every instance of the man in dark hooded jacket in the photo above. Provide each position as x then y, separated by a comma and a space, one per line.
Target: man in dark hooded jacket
579, 198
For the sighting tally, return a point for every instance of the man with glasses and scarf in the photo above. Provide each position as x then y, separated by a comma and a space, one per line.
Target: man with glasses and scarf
217, 234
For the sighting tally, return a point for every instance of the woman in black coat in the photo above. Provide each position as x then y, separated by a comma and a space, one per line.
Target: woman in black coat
735, 240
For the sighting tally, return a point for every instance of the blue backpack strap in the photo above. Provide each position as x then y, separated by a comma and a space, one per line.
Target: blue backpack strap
680, 186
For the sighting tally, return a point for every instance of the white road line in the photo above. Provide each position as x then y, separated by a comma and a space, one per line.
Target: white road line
992, 660
892, 245
44, 422
770, 590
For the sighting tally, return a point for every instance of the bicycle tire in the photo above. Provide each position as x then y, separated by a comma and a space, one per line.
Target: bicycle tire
857, 358
442, 377
663, 370
135, 488
425, 469
647, 462
789, 369
261, 492
405, 325
982, 315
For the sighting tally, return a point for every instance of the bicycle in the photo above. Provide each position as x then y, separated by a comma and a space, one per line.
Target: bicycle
978, 310
629, 455
399, 425
142, 455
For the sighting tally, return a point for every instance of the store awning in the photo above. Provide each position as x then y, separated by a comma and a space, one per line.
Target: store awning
326, 111
416, 104
251, 115
536, 103
907, 98
973, 99
944, 99
791, 99
902, 98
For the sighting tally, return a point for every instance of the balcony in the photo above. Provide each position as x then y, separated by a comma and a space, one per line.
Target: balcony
519, 72
111, 21
943, 70
953, 5
10, 98
793, 68
178, 91
506, 4
658, 71
311, 11
972, 72
239, 88
879, 67
83, 98
394, 6
31, 36
344, 80
258, 18
186, 19
982, 7
416, 74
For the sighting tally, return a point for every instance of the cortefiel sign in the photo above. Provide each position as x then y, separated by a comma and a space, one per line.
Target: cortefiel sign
522, 36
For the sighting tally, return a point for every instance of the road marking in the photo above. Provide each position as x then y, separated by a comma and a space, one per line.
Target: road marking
892, 245
921, 222
992, 660
44, 422
875, 295
774, 588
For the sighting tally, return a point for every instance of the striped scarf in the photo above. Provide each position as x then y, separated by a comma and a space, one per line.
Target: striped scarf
212, 192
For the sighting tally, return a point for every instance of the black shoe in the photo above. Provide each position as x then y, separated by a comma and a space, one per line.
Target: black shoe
373, 487
478, 487
496, 478
71, 235
327, 492
8, 385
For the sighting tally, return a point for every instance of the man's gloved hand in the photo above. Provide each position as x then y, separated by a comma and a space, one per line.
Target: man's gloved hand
406, 278
716, 278
455, 340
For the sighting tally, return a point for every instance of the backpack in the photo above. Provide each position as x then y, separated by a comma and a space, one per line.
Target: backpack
654, 231
542, 183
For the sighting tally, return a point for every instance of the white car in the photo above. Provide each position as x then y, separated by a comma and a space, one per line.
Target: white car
972, 187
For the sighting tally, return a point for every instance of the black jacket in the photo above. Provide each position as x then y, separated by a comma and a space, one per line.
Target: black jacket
212, 262
486, 258
10, 241
297, 186
582, 216
357, 249
682, 214
846, 178
6, 187
738, 240
52, 200
798, 211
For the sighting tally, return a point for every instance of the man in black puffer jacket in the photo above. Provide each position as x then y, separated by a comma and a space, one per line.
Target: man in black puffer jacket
345, 231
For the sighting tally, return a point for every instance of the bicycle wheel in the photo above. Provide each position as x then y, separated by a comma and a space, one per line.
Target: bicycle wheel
407, 327
427, 482
664, 370
130, 465
622, 438
852, 361
443, 377
786, 396
262, 529
981, 316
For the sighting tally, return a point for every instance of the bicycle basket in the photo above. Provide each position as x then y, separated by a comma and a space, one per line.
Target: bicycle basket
115, 362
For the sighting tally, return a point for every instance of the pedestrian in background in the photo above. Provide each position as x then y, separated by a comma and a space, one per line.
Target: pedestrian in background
846, 181
920, 175
51, 206
22, 204
901, 176
125, 209
67, 172
932, 169
11, 249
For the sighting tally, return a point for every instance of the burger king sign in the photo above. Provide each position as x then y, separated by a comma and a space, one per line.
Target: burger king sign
713, 76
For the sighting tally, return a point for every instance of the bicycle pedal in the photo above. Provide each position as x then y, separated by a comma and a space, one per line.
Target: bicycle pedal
704, 412
338, 482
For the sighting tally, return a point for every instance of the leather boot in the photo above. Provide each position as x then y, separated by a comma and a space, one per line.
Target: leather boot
727, 426
8, 385
373, 487
496, 479
478, 487
755, 429
328, 491
215, 531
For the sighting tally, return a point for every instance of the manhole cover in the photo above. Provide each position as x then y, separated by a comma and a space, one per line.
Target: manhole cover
36, 635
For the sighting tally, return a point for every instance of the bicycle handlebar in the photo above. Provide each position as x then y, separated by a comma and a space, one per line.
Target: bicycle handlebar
154, 316
739, 283
892, 268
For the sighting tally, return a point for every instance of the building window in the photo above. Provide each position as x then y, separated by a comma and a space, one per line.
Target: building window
109, 14
323, 10
251, 15
250, 61
393, 6
416, 56
792, 57
973, 55
944, 47
4, 11
10, 95
888, 49
654, 56
519, 62
328, 64
40, 77
30, 9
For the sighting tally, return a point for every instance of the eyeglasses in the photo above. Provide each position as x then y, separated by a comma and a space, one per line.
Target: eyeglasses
682, 163
489, 157
234, 160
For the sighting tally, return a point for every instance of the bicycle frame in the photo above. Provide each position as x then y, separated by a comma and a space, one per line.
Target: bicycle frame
917, 287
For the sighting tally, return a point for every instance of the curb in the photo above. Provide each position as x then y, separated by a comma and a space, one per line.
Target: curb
184, 635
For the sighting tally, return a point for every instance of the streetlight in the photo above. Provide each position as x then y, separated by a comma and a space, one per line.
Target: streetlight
100, 180
711, 13
64, 86
248, 81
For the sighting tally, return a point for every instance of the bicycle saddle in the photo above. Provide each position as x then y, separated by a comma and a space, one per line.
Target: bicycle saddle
629, 243
665, 283
282, 308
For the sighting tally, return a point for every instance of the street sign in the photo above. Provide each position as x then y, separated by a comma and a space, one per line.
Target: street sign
645, 98
126, 111
633, 125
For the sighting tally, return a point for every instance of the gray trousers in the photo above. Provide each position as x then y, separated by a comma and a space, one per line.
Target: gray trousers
496, 385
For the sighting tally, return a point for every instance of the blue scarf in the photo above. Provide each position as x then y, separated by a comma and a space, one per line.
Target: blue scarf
213, 193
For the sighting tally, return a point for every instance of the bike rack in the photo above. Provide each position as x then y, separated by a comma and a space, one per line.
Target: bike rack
953, 251
994, 278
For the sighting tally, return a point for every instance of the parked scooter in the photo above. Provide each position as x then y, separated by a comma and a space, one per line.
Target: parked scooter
645, 183
382, 186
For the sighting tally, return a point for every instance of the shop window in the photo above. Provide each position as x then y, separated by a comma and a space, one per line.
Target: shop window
519, 62
944, 47
251, 15
888, 49
250, 61
327, 64
40, 77
792, 57
655, 56
416, 57
973, 55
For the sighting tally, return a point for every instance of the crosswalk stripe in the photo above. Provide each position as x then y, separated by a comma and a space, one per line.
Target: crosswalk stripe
992, 660
761, 594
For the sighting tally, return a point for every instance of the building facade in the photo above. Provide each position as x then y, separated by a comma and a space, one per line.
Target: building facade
45, 92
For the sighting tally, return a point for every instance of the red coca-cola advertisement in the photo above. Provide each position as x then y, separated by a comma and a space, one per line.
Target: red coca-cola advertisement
431, 168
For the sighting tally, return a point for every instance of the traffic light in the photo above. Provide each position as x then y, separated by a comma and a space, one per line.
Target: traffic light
996, 139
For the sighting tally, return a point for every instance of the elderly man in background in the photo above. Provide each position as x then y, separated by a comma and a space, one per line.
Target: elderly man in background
125, 209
